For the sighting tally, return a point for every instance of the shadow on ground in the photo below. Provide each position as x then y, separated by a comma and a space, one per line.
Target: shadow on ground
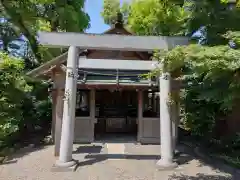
205, 160
29, 143
22, 150
13, 158
94, 156
199, 177
183, 156
5, 162
117, 138
88, 149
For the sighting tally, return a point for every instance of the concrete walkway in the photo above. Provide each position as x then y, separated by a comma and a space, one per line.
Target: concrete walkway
106, 161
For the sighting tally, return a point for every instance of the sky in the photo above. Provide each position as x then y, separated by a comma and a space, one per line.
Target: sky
94, 8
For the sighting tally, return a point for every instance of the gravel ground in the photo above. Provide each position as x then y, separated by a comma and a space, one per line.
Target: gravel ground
97, 162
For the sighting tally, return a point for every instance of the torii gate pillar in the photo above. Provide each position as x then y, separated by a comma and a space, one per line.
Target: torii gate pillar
67, 135
166, 161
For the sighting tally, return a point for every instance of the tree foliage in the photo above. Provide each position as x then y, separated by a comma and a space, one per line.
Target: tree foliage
23, 104
211, 78
153, 17
234, 38
217, 17
7, 33
110, 11
29, 16
157, 17
210, 72
211, 64
12, 89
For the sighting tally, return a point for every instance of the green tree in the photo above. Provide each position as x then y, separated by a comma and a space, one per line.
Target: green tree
30, 16
110, 11
111, 8
210, 71
157, 17
14, 45
25, 106
152, 17
7, 34
234, 37
13, 88
216, 17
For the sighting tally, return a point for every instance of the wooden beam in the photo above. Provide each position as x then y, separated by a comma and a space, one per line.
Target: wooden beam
113, 86
44, 67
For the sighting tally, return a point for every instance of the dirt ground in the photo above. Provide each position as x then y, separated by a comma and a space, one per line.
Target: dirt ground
108, 161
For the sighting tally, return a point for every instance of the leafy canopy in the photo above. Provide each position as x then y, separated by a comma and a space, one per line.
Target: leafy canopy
29, 16
13, 89
157, 17
215, 18
110, 11
152, 17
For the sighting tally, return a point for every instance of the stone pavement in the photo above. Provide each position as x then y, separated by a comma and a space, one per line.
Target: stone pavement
106, 161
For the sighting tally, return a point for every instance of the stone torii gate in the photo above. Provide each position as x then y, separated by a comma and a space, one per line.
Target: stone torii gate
76, 41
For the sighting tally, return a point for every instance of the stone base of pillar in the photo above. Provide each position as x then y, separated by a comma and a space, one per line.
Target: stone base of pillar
163, 165
65, 166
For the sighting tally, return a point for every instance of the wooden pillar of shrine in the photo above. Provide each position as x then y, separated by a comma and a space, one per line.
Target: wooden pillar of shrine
140, 114
57, 118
